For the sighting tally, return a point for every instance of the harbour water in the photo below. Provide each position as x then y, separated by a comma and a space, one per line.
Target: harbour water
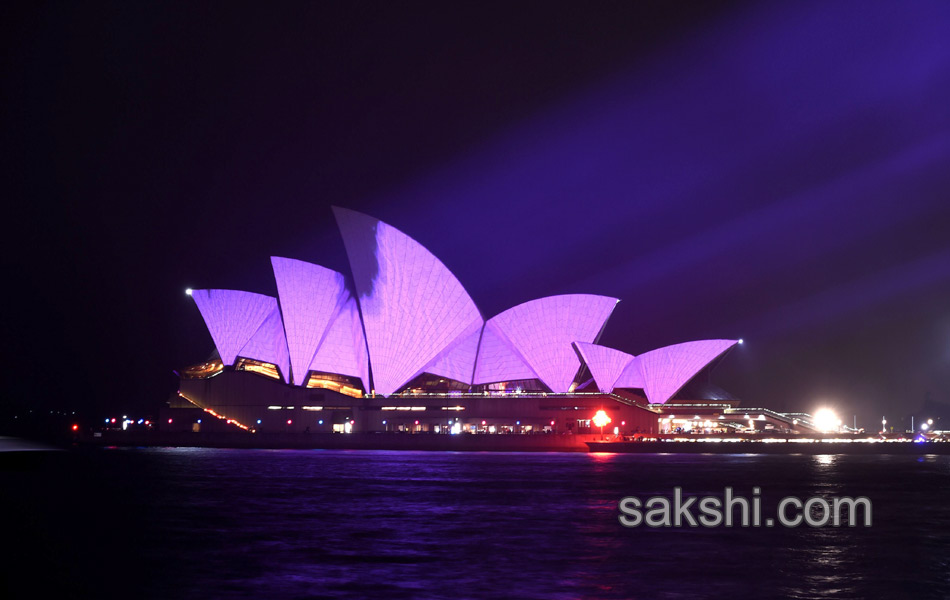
216, 523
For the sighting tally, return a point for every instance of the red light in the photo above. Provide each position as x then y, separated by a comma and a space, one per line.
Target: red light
552, 422
169, 421
417, 422
483, 422
623, 422
113, 420
290, 421
75, 427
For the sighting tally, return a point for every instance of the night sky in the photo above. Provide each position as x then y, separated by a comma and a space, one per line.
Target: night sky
775, 172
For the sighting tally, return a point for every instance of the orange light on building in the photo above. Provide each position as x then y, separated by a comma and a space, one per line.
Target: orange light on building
214, 414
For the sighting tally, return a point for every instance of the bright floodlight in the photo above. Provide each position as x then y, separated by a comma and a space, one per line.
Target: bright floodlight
188, 291
741, 340
923, 427
826, 420
600, 419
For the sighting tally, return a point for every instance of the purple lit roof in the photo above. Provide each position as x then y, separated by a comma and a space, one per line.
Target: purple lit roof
232, 317
458, 360
498, 360
605, 364
310, 298
268, 344
543, 330
343, 350
413, 307
666, 370
631, 377
411, 315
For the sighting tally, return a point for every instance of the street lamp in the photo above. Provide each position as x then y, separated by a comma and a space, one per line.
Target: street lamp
826, 420
600, 419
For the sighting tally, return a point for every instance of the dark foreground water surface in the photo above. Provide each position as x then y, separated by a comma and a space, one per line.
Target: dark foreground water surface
206, 523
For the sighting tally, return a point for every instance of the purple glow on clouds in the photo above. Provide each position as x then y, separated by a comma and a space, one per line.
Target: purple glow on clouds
543, 330
855, 297
232, 318
310, 298
605, 364
791, 162
810, 216
413, 307
666, 370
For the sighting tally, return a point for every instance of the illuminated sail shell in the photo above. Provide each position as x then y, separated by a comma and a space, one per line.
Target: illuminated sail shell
606, 364
666, 370
232, 318
542, 332
413, 307
310, 298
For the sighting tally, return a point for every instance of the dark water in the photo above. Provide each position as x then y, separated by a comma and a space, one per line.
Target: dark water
203, 523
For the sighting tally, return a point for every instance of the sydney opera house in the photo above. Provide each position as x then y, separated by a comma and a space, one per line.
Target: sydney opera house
400, 346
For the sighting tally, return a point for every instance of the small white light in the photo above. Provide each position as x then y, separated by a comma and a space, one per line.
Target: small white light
189, 290
741, 341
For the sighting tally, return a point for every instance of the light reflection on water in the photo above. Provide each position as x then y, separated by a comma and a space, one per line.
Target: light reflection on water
339, 524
